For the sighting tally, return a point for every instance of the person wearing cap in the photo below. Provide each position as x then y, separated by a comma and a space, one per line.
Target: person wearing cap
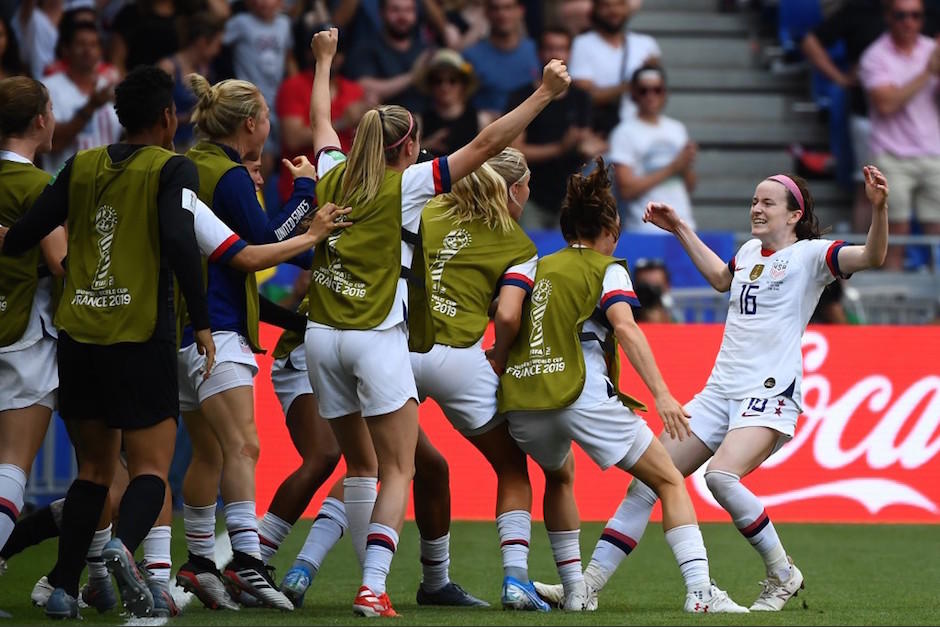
652, 155
450, 120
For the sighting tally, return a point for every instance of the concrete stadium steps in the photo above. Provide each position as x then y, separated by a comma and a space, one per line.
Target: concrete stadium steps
706, 52
740, 107
733, 80
755, 133
655, 21
738, 191
752, 164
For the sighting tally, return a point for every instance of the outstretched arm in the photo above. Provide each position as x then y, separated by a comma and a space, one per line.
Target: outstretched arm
872, 254
503, 131
638, 351
323, 45
708, 263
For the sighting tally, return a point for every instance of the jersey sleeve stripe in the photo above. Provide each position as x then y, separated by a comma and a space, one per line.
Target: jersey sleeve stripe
517, 280
441, 175
327, 149
832, 258
731, 266
619, 296
222, 248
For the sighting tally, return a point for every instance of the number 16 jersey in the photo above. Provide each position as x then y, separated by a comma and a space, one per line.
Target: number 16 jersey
773, 295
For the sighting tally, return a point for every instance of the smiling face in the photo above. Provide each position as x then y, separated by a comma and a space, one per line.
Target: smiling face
771, 219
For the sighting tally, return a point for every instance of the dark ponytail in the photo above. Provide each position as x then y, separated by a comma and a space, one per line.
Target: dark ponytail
589, 207
808, 226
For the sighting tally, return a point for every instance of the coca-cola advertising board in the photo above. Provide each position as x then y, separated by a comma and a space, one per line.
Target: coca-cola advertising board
866, 449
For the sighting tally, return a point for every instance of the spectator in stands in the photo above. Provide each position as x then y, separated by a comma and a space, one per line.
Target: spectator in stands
262, 42
37, 29
10, 63
469, 18
69, 19
81, 98
449, 120
652, 155
830, 309
347, 106
653, 276
901, 74
557, 142
506, 60
387, 66
201, 37
604, 58
363, 20
144, 32
857, 24
651, 308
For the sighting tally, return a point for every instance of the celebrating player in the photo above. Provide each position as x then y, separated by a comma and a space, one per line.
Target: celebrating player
750, 403
561, 385
126, 207
357, 344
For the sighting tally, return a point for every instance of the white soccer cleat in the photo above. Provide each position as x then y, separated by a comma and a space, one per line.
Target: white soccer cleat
582, 599
718, 602
776, 593
551, 593
41, 592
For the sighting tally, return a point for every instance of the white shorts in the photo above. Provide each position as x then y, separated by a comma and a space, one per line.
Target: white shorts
713, 415
290, 379
462, 382
608, 433
29, 376
359, 371
235, 366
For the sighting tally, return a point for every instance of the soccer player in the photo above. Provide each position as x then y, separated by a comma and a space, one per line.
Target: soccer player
28, 375
750, 403
357, 342
233, 118
561, 385
476, 250
126, 207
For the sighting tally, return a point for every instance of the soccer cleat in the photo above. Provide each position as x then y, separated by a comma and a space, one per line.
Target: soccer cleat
370, 604
99, 594
776, 593
582, 599
551, 593
250, 575
62, 605
41, 592
200, 577
450, 595
295, 585
717, 602
522, 596
163, 604
135, 594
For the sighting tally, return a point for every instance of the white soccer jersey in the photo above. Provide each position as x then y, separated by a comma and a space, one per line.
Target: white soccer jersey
773, 295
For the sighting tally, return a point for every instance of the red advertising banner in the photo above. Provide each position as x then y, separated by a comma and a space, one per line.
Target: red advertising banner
866, 449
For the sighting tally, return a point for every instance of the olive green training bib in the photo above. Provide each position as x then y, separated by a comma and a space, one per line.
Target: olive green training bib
113, 269
20, 186
546, 369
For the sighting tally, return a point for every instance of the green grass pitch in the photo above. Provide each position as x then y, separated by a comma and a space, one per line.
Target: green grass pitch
855, 575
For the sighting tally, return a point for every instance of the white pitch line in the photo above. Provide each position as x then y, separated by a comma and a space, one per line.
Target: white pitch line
223, 553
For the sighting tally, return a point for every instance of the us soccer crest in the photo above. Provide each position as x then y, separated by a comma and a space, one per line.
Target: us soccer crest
778, 269
756, 271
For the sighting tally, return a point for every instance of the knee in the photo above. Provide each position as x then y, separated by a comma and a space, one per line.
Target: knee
242, 448
720, 482
432, 468
100, 473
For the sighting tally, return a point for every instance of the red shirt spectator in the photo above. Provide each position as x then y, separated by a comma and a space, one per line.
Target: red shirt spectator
293, 101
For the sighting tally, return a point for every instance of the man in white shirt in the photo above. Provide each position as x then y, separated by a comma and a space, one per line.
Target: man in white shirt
604, 58
652, 155
81, 98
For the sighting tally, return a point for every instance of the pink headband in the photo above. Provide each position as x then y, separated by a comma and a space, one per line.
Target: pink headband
787, 182
411, 125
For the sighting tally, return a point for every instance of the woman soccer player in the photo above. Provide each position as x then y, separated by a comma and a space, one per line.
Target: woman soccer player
476, 250
560, 385
750, 403
232, 117
357, 341
28, 375
126, 207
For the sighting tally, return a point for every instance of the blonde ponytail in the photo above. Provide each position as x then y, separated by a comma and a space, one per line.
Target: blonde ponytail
479, 196
379, 140
511, 165
222, 107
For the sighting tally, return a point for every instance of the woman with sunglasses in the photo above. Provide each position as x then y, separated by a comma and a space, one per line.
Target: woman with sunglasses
652, 155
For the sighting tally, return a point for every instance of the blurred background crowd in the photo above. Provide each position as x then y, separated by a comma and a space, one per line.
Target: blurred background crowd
692, 102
